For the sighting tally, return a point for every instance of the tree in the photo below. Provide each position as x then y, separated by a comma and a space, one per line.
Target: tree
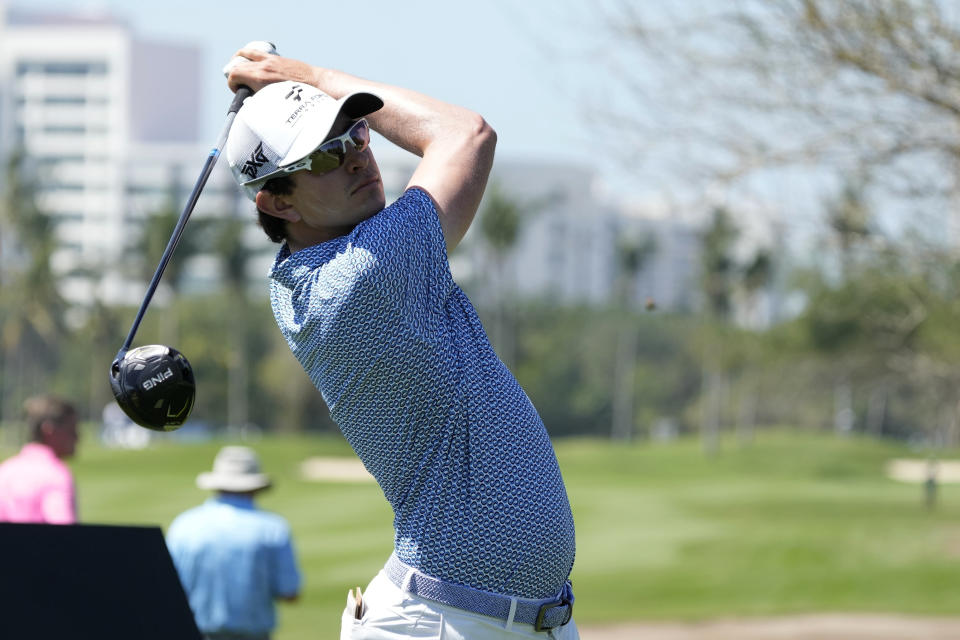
732, 92
152, 242
632, 254
229, 245
723, 277
849, 221
86, 354
718, 265
31, 307
500, 224
883, 323
756, 277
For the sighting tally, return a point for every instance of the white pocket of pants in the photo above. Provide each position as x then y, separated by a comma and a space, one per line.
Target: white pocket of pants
389, 623
349, 625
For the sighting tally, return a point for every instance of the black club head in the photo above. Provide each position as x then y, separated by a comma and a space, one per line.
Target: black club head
154, 385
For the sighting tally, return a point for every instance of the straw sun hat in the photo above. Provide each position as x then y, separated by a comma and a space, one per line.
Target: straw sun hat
235, 469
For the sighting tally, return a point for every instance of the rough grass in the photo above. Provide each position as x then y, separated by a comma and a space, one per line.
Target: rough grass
793, 523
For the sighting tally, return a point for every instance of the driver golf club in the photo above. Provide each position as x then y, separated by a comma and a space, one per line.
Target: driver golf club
154, 384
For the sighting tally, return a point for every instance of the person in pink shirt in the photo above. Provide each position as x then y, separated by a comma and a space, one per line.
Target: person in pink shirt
36, 485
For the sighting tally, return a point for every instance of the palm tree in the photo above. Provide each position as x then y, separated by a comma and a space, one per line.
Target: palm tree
849, 217
718, 277
718, 263
756, 277
229, 245
151, 243
500, 223
31, 307
632, 255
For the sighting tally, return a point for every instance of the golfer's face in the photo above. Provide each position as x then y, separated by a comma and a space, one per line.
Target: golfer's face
344, 196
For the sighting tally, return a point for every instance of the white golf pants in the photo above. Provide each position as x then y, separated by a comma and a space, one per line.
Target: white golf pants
390, 613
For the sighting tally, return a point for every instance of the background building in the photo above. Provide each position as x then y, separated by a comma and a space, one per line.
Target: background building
568, 239
109, 123
95, 110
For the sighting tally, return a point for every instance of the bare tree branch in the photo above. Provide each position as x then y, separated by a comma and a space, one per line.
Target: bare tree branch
724, 90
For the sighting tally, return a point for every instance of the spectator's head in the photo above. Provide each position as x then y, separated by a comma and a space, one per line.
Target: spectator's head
235, 470
52, 421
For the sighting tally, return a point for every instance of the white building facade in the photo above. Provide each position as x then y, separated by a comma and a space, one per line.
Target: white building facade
567, 246
111, 125
106, 122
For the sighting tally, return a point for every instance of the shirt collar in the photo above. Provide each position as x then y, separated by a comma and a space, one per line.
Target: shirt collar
38, 449
288, 267
234, 500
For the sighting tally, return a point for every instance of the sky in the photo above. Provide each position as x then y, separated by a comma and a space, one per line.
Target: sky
519, 64
539, 71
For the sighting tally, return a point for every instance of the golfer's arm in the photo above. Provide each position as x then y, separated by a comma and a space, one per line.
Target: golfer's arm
456, 145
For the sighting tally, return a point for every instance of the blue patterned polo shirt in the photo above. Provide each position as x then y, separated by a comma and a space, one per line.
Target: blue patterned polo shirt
404, 365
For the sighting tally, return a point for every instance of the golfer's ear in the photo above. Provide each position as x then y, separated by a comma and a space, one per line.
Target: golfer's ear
276, 206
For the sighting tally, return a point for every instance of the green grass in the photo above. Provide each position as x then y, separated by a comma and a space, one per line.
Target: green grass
793, 523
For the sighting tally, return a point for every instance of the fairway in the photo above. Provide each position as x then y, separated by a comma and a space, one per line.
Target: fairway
791, 524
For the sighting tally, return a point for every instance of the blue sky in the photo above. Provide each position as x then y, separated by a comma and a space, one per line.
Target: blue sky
520, 65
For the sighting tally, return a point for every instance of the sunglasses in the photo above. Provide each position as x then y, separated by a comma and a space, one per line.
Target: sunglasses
332, 153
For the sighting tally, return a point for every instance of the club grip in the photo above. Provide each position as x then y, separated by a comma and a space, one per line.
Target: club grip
244, 91
242, 94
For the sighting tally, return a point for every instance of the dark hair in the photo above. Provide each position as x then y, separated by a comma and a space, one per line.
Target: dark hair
274, 227
46, 408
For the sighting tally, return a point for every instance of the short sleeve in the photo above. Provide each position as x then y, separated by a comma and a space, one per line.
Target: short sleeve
407, 257
59, 503
286, 576
373, 295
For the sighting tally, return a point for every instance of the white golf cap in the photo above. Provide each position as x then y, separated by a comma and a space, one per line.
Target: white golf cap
235, 469
282, 124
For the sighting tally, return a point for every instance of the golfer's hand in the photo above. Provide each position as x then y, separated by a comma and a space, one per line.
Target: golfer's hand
265, 68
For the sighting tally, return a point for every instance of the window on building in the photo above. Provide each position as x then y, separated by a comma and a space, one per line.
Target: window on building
64, 100
52, 186
47, 162
66, 217
61, 68
65, 129
147, 189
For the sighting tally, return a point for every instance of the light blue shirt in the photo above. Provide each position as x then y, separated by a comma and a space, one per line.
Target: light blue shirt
233, 560
405, 367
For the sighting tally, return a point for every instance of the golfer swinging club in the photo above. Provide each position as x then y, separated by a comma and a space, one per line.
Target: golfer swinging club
484, 538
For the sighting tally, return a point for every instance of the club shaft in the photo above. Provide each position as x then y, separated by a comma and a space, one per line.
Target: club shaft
241, 94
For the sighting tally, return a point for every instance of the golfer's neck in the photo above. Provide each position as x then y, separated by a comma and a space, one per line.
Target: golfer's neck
301, 236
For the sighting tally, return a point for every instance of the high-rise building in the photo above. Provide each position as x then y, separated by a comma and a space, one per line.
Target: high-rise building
93, 108
110, 124
567, 243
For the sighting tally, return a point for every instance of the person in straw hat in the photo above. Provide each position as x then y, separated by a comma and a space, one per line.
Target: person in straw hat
234, 560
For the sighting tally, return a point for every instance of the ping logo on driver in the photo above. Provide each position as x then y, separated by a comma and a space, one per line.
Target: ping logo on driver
153, 381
